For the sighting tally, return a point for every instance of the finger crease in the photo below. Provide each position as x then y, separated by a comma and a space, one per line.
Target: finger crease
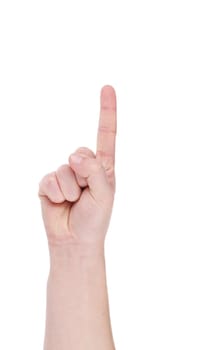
106, 130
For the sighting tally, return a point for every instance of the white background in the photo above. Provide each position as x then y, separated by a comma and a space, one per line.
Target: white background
55, 56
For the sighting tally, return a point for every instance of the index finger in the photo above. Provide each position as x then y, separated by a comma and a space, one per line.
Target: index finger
107, 129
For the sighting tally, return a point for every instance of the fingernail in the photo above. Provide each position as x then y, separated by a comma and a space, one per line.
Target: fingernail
76, 158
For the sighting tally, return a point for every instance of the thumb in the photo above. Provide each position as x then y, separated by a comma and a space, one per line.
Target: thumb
94, 173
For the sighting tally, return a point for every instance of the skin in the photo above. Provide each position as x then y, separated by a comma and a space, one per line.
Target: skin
76, 204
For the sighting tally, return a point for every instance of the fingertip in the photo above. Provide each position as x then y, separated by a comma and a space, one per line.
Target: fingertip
107, 89
108, 98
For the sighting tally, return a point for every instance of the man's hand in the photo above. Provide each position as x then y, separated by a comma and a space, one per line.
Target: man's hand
77, 198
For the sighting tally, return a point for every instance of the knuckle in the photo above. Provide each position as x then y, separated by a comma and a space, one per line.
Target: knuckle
108, 165
86, 151
61, 168
47, 183
97, 166
82, 148
49, 180
107, 161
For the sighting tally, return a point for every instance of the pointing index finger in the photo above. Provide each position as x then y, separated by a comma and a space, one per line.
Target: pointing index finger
106, 136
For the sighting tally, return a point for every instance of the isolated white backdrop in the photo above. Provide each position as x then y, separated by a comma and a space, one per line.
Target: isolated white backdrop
55, 56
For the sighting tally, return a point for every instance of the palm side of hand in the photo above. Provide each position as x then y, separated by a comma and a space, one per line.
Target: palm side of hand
77, 198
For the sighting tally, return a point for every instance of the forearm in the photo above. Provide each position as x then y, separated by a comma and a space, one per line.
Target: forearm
77, 311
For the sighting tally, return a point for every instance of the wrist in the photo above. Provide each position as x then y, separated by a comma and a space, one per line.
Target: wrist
63, 254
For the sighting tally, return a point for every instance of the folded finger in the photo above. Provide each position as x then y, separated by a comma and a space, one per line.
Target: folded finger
68, 183
49, 187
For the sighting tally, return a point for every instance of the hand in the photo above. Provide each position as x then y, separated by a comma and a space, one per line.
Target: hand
77, 198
